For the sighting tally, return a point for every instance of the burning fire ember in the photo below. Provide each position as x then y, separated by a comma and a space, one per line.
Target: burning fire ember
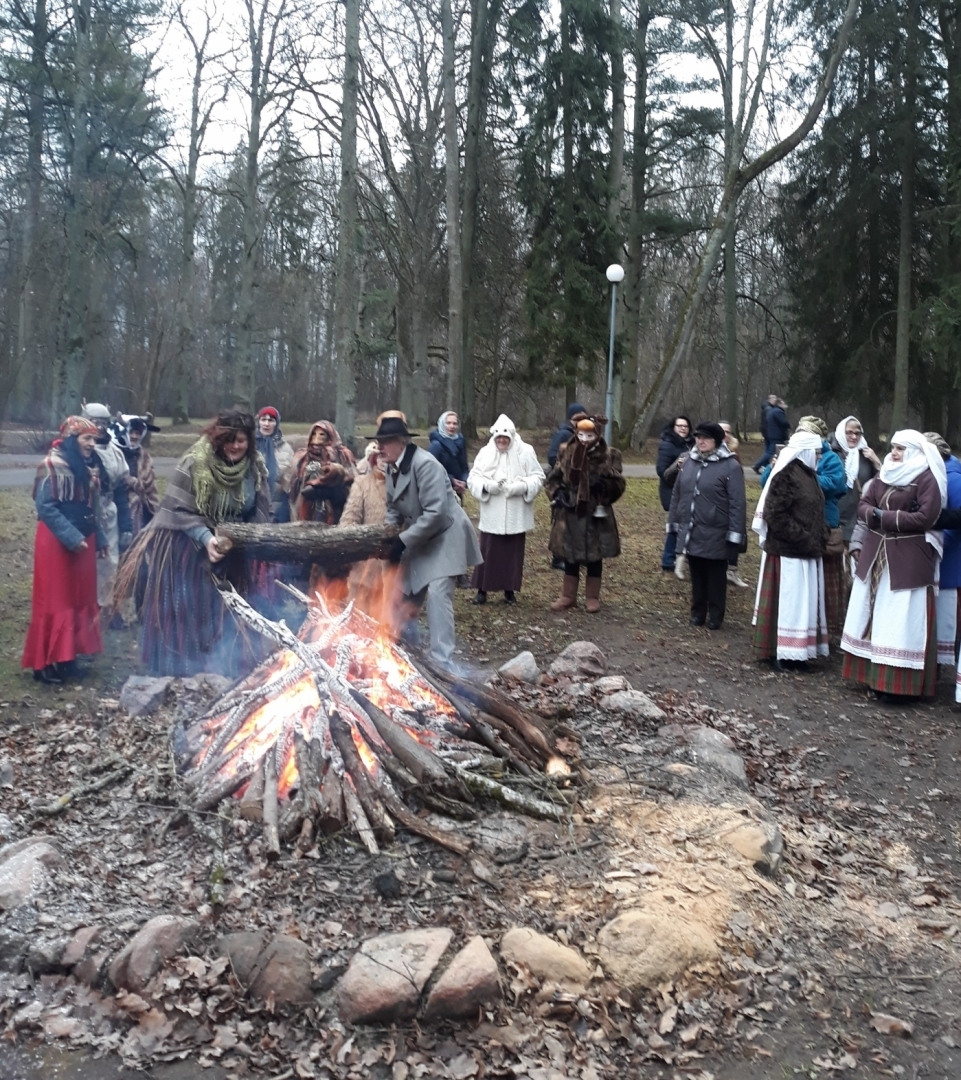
341, 727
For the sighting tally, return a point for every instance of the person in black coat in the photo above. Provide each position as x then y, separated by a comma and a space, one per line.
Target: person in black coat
563, 434
708, 517
449, 446
676, 439
776, 428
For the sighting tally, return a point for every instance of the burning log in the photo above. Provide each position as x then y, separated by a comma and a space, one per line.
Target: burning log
309, 541
341, 727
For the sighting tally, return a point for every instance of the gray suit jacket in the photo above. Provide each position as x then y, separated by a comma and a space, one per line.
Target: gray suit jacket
440, 539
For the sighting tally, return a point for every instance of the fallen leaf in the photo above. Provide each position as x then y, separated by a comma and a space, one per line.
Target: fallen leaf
925, 900
891, 1025
668, 1019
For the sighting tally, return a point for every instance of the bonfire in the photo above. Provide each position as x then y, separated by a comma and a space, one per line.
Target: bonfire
341, 727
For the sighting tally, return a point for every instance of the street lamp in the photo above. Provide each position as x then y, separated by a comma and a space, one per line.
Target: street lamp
615, 275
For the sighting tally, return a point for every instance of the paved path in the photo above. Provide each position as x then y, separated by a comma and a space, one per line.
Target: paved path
17, 470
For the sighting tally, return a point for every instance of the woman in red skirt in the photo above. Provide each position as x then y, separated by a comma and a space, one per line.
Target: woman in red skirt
65, 617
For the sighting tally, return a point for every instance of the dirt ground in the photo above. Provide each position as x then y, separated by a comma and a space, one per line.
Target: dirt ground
864, 911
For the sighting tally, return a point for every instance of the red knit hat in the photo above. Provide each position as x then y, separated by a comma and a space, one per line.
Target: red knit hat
269, 410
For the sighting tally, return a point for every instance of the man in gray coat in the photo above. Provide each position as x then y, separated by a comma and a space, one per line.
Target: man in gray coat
437, 542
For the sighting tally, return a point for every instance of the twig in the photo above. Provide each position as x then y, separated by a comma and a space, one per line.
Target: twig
60, 804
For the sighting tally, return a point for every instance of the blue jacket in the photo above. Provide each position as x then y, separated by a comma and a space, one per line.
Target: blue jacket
563, 434
831, 480
951, 560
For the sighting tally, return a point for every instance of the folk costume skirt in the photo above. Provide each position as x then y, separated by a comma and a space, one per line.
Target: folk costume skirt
835, 595
890, 637
790, 621
503, 567
65, 616
947, 604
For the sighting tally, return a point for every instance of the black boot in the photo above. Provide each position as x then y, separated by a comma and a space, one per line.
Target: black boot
480, 598
509, 597
48, 675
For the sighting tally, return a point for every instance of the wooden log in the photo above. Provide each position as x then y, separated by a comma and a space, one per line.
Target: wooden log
332, 815
306, 839
271, 808
340, 732
417, 825
309, 541
421, 762
484, 785
210, 796
252, 801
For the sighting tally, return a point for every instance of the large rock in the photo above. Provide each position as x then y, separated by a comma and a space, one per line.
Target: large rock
611, 684
23, 870
283, 971
523, 666
469, 982
79, 945
579, 658
243, 951
385, 978
13, 948
156, 942
760, 842
142, 695
715, 749
545, 958
639, 950
634, 703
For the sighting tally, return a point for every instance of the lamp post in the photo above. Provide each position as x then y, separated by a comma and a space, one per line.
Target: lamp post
615, 274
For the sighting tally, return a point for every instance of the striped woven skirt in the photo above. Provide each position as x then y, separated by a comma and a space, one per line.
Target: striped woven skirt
790, 621
835, 595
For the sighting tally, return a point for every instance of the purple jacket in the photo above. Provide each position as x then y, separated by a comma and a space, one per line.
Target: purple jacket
907, 513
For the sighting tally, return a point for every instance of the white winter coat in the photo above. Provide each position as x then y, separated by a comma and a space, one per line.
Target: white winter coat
500, 513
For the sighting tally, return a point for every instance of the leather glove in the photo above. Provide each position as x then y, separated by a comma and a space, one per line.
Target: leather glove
395, 550
876, 517
125, 540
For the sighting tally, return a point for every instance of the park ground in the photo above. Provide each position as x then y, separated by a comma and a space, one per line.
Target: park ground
869, 788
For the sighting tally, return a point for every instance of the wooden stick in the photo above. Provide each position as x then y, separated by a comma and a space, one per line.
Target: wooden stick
340, 732
209, 797
51, 809
252, 803
271, 829
484, 785
331, 816
357, 817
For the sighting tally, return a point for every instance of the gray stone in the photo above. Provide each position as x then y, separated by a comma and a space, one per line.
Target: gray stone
470, 981
142, 695
523, 666
610, 684
545, 958
44, 955
243, 951
6, 829
579, 658
6, 773
208, 682
13, 948
92, 969
79, 945
385, 978
23, 871
640, 950
714, 749
157, 941
283, 973
634, 703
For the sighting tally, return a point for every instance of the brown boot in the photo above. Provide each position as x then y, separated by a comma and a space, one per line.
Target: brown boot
568, 597
592, 590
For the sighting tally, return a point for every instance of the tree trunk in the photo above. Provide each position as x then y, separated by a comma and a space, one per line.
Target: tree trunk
310, 541
902, 348
485, 15
69, 366
455, 277
635, 302
345, 295
252, 226
730, 324
948, 19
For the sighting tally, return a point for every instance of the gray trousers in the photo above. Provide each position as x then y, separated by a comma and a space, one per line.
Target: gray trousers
439, 595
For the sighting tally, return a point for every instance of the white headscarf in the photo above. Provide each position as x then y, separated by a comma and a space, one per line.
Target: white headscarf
919, 455
802, 446
517, 462
852, 454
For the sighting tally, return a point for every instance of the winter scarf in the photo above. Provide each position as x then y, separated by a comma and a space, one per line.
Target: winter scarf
452, 443
852, 455
72, 477
309, 463
218, 486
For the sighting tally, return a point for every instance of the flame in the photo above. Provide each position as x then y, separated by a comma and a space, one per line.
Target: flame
367, 756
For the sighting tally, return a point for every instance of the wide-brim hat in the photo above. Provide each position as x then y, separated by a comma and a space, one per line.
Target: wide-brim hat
392, 427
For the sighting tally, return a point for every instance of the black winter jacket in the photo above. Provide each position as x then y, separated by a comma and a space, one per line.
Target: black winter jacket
709, 506
778, 426
671, 448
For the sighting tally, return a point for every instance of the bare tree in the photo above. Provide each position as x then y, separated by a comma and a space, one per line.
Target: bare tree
455, 274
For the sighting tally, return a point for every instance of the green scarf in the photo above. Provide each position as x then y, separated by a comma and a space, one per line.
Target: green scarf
218, 486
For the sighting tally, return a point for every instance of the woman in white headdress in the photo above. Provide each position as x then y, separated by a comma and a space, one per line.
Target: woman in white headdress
861, 465
790, 621
890, 634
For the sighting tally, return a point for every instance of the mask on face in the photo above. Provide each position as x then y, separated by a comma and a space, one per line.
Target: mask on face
586, 437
